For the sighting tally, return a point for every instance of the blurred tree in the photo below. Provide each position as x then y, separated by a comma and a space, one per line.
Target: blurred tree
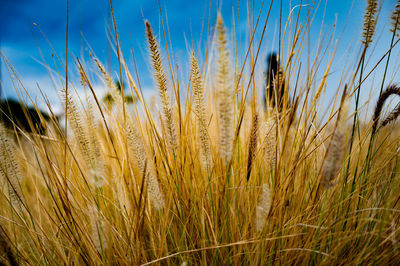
29, 119
108, 99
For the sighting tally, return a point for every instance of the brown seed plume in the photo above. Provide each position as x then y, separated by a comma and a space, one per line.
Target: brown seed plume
161, 80
395, 17
252, 144
391, 90
369, 22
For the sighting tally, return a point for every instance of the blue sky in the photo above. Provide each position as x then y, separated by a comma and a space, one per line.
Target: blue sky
24, 45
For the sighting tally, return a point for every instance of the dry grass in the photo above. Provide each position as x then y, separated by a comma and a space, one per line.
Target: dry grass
216, 180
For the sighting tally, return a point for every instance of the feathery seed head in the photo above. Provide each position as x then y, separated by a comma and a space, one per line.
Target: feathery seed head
10, 169
136, 146
335, 150
154, 191
270, 143
391, 90
82, 76
263, 208
161, 80
224, 94
135, 143
200, 111
252, 144
113, 90
97, 229
106, 77
369, 21
87, 143
395, 17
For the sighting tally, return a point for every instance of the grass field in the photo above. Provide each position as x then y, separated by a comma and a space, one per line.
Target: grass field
209, 176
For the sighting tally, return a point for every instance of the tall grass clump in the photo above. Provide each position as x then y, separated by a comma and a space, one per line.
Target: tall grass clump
215, 178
